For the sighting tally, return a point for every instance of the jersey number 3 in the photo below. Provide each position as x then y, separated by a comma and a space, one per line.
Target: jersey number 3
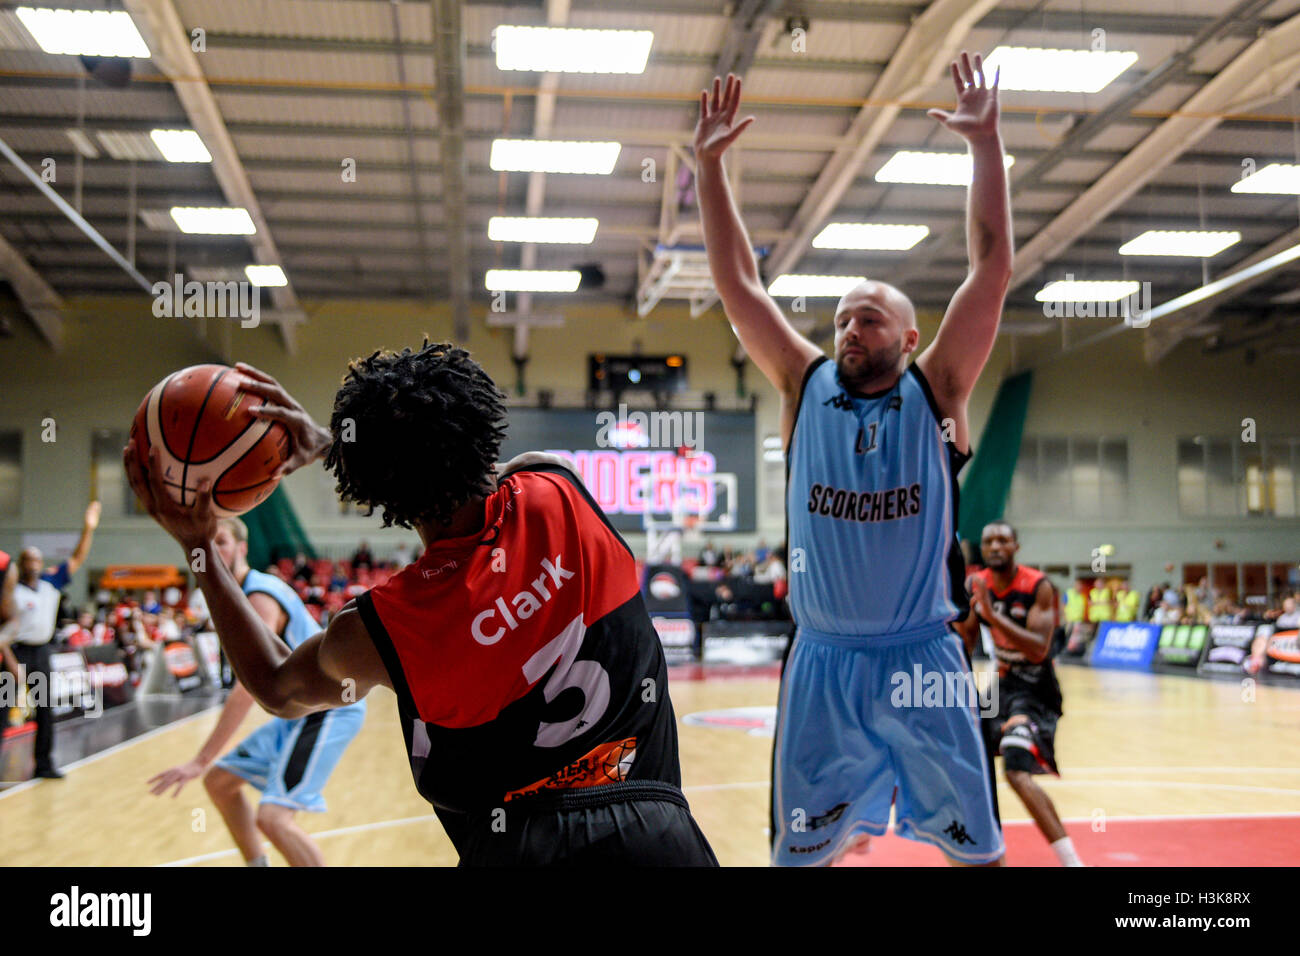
587, 676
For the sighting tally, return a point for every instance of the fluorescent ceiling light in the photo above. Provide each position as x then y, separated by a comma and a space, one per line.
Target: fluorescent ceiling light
553, 156
792, 285
266, 275
129, 144
1279, 178
540, 229
214, 220
565, 50
1167, 242
869, 235
927, 168
1056, 71
532, 280
84, 32
181, 146
1073, 290
81, 143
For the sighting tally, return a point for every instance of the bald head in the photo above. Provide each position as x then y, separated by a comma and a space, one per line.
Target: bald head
875, 331
880, 295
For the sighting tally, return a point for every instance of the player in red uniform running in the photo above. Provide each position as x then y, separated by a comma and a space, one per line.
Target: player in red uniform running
531, 685
1018, 606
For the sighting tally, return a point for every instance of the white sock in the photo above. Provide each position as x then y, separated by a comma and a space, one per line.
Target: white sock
262, 860
1064, 849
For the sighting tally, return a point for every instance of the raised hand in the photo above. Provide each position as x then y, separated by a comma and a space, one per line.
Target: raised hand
310, 441
717, 127
976, 115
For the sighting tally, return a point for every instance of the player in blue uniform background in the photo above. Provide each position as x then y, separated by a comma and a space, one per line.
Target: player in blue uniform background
873, 447
288, 760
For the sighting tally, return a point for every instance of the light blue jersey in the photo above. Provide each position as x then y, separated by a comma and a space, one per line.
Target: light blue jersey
301, 624
871, 501
290, 761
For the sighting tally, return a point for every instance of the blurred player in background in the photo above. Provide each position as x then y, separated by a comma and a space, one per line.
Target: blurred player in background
288, 760
1018, 606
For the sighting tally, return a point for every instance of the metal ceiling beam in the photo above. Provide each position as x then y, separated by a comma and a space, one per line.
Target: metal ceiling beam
929, 45
169, 43
1270, 65
449, 61
41, 303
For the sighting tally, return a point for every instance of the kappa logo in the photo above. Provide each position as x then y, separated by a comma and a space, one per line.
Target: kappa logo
958, 833
895, 403
840, 401
827, 818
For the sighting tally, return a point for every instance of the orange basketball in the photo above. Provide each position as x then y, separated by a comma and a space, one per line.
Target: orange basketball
198, 419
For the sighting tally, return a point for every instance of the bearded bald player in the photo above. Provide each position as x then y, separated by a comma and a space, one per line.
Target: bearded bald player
873, 445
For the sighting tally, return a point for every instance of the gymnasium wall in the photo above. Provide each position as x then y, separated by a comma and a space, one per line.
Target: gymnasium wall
115, 350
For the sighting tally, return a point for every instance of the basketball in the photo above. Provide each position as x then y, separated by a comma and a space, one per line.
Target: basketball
199, 421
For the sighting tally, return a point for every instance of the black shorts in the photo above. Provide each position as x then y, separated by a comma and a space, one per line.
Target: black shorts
642, 823
1029, 747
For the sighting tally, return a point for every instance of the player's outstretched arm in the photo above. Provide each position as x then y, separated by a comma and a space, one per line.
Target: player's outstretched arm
336, 667
781, 353
956, 357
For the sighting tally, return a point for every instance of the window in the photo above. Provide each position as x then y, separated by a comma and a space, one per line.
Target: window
11, 473
773, 477
108, 481
1225, 477
1074, 477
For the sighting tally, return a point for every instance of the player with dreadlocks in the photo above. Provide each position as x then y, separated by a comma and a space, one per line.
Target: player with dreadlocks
531, 685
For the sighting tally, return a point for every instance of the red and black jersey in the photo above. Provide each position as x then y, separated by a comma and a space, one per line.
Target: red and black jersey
523, 656
1015, 670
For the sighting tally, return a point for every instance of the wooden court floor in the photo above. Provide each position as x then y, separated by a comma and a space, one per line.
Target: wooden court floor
1138, 752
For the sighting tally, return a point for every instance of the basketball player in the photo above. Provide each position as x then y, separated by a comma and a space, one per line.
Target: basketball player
288, 760
1018, 605
530, 683
874, 445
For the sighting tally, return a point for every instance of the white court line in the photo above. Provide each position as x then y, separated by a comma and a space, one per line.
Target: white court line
28, 784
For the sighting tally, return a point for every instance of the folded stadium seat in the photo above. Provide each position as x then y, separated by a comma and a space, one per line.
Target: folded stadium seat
286, 566
689, 565
780, 588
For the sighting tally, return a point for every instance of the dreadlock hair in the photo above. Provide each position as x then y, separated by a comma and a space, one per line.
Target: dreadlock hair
416, 433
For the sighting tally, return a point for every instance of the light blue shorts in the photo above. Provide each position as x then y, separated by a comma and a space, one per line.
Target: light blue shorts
291, 760
860, 727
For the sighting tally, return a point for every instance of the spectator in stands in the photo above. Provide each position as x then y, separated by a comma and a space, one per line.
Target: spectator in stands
772, 568
362, 558
1126, 602
301, 569
1100, 607
149, 603
1288, 616
709, 556
338, 579
1205, 595
1152, 602
761, 552
80, 633
1171, 596
402, 556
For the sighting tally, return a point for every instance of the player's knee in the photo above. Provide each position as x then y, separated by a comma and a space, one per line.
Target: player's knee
221, 784
272, 818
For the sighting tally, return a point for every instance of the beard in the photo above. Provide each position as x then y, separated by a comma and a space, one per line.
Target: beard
869, 367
